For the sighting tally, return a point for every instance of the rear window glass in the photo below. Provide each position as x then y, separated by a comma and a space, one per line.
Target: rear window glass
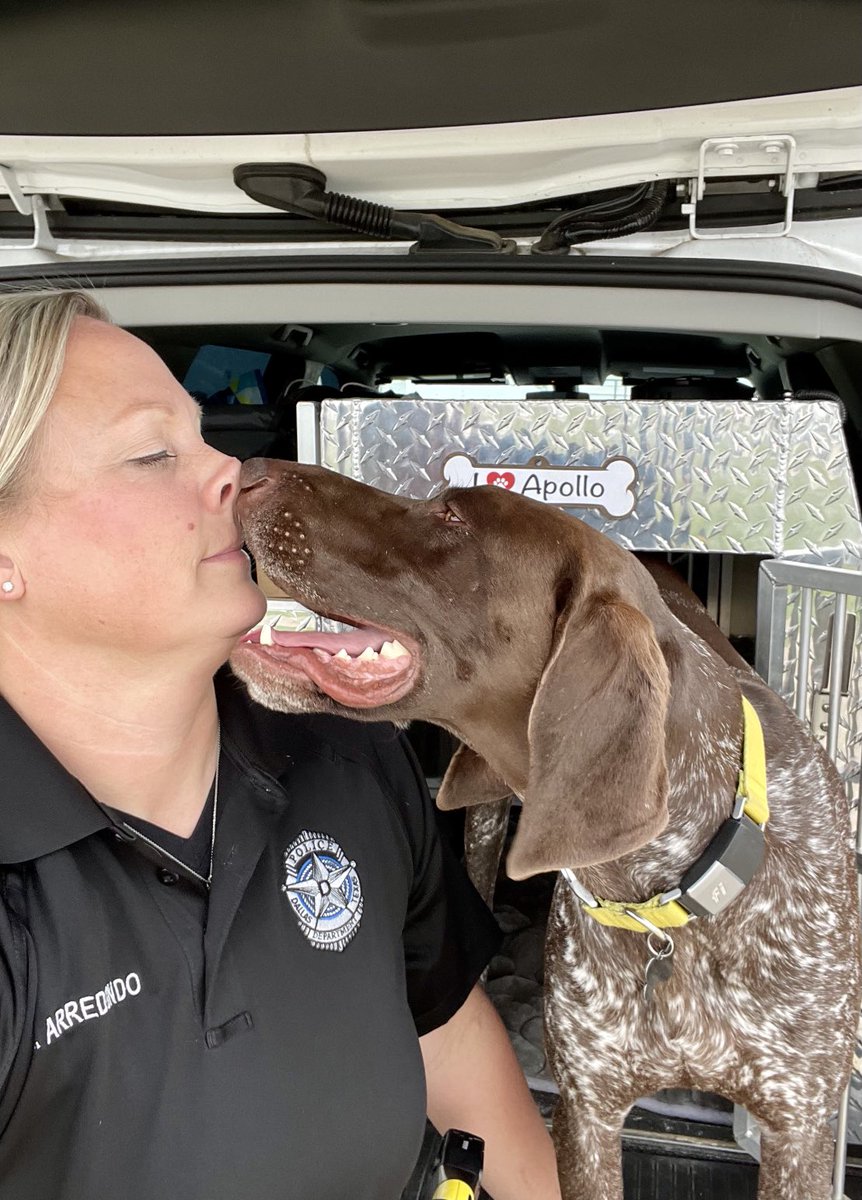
227, 375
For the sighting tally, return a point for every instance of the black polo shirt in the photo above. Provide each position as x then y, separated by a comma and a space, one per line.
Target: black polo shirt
256, 1043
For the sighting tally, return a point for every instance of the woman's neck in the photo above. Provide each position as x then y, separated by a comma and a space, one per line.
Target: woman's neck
140, 736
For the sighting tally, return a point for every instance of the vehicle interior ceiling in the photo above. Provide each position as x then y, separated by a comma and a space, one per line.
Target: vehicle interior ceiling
655, 365
280, 366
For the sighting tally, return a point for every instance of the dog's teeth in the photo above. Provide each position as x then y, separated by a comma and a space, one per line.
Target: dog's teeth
266, 638
392, 650
342, 655
367, 655
322, 654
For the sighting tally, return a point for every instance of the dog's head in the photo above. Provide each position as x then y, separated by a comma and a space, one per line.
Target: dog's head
523, 631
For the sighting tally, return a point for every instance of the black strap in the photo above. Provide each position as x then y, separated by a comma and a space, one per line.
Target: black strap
15, 1058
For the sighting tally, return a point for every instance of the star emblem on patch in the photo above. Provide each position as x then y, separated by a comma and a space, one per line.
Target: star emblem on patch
323, 889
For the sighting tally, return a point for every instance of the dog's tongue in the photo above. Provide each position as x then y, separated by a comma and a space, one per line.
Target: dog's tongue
364, 642
353, 642
359, 668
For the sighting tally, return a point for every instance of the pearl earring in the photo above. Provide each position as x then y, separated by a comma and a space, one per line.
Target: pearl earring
8, 586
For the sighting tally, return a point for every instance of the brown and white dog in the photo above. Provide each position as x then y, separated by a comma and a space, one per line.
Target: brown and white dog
549, 651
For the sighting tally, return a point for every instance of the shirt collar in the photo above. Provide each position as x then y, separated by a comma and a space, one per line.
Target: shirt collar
43, 808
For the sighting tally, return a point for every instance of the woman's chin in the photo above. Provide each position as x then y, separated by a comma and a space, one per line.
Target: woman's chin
257, 606
234, 616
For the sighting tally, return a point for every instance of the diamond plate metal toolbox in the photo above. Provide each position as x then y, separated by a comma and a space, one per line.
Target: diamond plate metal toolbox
754, 477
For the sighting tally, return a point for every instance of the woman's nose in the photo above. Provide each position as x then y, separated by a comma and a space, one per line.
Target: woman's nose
226, 481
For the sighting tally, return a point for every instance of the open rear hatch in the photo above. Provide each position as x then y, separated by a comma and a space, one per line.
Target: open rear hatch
501, 113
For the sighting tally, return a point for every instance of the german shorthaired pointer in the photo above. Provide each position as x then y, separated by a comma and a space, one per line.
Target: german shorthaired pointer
549, 651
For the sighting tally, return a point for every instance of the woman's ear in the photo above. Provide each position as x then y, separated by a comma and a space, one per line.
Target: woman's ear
12, 585
597, 785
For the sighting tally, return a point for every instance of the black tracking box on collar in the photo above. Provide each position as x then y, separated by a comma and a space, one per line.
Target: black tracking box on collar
724, 868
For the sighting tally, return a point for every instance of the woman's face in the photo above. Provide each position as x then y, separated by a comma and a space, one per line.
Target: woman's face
127, 536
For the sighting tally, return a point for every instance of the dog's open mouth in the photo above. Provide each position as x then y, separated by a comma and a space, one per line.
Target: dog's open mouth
364, 667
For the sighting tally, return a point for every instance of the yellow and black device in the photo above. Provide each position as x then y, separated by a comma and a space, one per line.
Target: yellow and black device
459, 1172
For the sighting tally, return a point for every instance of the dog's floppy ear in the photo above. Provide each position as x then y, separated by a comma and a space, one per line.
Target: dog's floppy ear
597, 785
469, 780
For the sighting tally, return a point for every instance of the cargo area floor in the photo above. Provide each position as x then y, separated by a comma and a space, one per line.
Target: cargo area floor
653, 1176
682, 1170
649, 1175
665, 1158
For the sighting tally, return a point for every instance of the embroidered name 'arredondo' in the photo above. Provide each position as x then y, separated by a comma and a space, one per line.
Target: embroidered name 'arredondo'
257, 1042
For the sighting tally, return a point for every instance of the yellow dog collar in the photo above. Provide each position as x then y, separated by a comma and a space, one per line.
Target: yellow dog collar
724, 868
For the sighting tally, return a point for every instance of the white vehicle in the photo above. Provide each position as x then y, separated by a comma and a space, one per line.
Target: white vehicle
501, 238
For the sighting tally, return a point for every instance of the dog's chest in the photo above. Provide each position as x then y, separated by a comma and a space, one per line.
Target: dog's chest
732, 1000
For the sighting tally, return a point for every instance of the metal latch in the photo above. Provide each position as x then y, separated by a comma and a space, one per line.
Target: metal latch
753, 155
30, 206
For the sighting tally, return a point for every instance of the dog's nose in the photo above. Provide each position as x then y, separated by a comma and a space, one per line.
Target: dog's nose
256, 480
255, 473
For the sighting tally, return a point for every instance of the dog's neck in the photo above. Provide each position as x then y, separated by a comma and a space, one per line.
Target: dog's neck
499, 739
703, 743
704, 732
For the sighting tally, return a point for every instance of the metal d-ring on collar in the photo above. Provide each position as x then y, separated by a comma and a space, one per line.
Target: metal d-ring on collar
208, 878
659, 941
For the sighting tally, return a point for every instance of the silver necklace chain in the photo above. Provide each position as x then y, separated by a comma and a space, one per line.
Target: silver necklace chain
207, 879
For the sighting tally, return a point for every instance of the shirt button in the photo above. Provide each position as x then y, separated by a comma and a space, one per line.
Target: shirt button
168, 878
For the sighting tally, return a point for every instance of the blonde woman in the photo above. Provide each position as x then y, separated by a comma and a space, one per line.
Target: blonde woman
221, 929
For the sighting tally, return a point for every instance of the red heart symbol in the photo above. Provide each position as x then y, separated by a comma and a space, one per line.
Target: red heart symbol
501, 478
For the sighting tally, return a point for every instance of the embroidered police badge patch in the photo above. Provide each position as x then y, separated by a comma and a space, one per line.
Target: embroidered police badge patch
323, 889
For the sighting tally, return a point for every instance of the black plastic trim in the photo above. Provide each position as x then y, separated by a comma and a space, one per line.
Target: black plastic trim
71, 217
573, 271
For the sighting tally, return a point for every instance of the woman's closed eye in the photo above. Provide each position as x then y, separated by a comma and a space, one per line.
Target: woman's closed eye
153, 460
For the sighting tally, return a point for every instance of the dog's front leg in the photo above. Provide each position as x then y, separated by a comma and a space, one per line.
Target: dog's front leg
589, 1151
796, 1163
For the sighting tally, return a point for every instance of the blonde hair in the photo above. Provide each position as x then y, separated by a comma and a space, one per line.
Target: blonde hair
34, 330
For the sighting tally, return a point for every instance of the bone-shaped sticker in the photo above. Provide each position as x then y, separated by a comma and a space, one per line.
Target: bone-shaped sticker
609, 487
